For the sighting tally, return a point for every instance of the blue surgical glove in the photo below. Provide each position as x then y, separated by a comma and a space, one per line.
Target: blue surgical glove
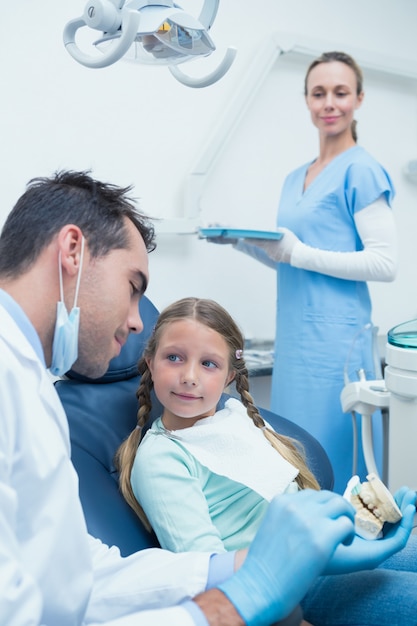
294, 543
279, 250
363, 554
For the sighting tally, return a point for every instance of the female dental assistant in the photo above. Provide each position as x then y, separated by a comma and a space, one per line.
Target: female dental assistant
338, 233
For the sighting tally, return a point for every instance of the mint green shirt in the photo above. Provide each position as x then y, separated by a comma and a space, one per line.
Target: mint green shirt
189, 507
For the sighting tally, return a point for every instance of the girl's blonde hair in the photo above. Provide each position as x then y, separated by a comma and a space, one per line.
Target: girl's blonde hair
214, 316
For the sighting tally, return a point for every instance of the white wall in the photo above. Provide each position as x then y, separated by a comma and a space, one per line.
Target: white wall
138, 125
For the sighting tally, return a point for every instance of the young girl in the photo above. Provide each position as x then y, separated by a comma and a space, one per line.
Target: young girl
202, 478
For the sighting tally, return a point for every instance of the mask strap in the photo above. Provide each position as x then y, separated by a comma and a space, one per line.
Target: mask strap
61, 287
77, 286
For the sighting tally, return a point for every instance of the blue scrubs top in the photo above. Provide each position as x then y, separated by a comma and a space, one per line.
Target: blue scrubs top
318, 316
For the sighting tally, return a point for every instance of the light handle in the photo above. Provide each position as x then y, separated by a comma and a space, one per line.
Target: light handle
209, 79
129, 27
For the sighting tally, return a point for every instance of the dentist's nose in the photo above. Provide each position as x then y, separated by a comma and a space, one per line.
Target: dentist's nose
135, 321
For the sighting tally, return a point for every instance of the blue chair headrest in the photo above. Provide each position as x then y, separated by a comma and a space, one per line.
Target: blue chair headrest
125, 365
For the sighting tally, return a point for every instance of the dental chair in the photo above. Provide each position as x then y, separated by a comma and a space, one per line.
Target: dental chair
101, 414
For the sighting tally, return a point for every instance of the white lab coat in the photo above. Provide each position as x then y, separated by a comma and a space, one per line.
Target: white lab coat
52, 573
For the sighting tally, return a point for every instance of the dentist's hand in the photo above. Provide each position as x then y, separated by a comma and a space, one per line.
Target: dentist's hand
293, 545
281, 250
364, 554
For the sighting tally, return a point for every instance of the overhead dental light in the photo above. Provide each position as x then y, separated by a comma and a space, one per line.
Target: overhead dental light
159, 33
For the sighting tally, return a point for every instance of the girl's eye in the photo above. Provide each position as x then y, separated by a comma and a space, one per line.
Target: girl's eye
210, 364
173, 358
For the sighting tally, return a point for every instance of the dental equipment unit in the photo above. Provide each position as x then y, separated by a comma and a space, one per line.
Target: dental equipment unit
397, 392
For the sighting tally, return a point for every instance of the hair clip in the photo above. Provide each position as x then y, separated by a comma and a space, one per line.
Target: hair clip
239, 354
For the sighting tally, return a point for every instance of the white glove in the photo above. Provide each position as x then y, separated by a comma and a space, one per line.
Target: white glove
281, 250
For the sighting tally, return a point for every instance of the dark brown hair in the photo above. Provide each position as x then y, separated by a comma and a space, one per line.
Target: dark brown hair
99, 209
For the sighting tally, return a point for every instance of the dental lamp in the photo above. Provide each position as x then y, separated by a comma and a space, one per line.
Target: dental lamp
158, 33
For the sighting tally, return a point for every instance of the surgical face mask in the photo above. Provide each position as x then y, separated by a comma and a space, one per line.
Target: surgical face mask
65, 343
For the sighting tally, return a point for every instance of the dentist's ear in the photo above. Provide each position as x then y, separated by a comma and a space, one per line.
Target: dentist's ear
70, 244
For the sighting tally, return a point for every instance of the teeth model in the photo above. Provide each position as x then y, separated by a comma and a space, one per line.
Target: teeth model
374, 506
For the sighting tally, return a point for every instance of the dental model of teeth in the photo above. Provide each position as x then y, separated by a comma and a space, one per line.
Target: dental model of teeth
374, 506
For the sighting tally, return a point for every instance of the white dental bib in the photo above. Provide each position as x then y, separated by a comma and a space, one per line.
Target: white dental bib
229, 444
